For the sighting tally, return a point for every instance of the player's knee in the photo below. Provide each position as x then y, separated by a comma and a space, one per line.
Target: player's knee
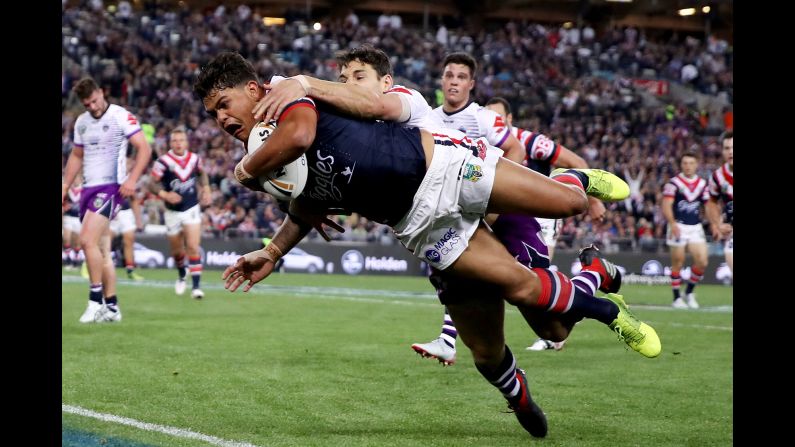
525, 289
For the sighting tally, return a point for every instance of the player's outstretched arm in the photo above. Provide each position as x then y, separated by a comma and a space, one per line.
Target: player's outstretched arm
258, 265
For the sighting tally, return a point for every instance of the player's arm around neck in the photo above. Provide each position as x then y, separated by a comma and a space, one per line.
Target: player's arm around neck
351, 99
293, 136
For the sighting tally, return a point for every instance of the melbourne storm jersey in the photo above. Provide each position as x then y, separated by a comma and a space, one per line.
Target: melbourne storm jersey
179, 174
476, 122
371, 168
688, 195
721, 186
104, 142
541, 151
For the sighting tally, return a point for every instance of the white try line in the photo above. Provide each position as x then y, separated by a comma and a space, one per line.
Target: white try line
173, 431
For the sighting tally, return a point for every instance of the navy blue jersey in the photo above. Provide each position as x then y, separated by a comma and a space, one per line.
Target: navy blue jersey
688, 195
179, 174
371, 168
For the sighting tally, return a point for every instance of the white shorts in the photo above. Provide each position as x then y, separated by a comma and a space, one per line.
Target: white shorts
176, 219
729, 246
688, 234
72, 224
550, 230
448, 205
124, 222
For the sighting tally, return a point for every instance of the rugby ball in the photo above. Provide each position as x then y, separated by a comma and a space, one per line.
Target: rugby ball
287, 182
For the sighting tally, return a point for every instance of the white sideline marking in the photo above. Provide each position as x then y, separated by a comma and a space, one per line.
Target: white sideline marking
697, 326
173, 431
357, 295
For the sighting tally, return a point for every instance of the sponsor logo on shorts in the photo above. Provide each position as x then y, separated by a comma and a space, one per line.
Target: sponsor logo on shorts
433, 255
99, 200
473, 173
446, 243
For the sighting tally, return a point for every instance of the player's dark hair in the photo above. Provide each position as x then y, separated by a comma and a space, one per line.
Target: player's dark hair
227, 70
502, 101
463, 59
688, 154
85, 87
367, 54
727, 135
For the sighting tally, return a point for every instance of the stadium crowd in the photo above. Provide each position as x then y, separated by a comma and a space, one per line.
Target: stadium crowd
572, 84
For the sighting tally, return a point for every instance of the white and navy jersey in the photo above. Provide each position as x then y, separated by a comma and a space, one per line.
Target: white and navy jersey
420, 113
541, 152
688, 195
179, 174
104, 141
371, 168
476, 122
721, 186
73, 195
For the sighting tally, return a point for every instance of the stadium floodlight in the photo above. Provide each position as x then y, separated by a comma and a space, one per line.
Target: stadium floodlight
687, 12
317, 26
619, 1
269, 21
706, 9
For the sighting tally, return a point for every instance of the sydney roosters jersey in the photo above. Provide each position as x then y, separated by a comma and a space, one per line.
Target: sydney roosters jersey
421, 114
104, 142
541, 151
371, 168
688, 195
179, 174
73, 196
721, 186
476, 122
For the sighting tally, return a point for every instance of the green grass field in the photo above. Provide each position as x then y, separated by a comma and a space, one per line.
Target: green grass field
326, 361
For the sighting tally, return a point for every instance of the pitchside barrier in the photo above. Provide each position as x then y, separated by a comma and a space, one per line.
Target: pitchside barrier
368, 259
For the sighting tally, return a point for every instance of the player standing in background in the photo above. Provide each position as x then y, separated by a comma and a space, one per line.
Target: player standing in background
71, 225
101, 136
174, 179
683, 196
721, 187
126, 222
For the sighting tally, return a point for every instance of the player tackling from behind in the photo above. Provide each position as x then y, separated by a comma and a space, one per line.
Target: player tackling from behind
101, 136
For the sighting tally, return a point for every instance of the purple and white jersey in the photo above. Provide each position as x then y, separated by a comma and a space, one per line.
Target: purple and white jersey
476, 122
104, 142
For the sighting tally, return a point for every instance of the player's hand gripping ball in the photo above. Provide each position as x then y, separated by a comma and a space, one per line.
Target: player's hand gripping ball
287, 182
